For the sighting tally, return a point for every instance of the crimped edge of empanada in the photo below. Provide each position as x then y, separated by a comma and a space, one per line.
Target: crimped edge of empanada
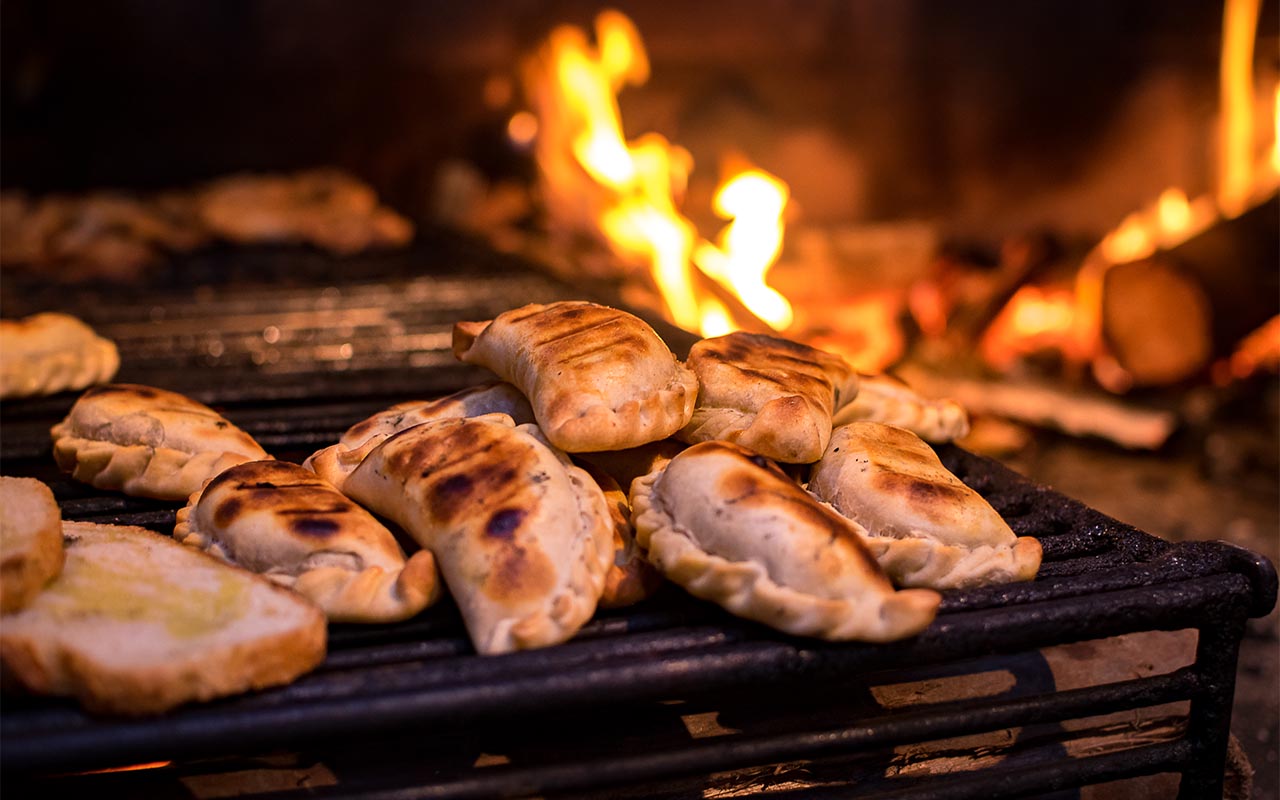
937, 421
921, 562
369, 595
746, 590
785, 429
61, 371
162, 473
636, 422
335, 463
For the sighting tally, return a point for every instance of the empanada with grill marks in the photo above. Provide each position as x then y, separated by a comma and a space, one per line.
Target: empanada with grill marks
730, 527
522, 537
334, 463
884, 398
148, 442
597, 378
280, 520
772, 396
924, 525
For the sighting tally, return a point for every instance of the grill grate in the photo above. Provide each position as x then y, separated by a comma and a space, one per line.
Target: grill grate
255, 338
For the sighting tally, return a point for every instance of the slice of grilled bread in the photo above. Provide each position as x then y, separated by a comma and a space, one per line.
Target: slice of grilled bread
137, 623
30, 541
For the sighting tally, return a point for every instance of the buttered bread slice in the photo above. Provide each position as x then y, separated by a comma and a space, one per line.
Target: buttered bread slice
137, 624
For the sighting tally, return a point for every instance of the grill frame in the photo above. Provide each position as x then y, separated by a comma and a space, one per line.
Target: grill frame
1101, 578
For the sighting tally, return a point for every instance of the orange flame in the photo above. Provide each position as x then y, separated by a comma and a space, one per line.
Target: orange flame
1235, 75
1258, 351
592, 178
755, 201
1275, 133
1174, 218
626, 193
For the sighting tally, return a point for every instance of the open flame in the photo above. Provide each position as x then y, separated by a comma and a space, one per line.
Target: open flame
627, 193
1073, 325
755, 201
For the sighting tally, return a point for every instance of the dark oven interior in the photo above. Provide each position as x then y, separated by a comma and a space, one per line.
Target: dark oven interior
937, 157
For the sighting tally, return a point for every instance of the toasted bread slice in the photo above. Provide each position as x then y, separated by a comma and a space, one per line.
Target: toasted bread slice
30, 541
137, 624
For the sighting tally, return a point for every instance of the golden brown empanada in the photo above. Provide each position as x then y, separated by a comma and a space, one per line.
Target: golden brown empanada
49, 353
148, 442
884, 398
598, 378
772, 396
630, 578
334, 463
280, 520
924, 525
730, 527
522, 537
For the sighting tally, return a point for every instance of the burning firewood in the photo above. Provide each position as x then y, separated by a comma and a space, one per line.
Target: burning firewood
1156, 321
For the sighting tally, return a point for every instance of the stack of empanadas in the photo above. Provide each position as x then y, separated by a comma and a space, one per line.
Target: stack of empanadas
517, 490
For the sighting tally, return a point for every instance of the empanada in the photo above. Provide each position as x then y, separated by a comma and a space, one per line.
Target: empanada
884, 398
280, 520
630, 578
49, 353
772, 396
334, 463
522, 537
924, 525
598, 378
730, 527
148, 442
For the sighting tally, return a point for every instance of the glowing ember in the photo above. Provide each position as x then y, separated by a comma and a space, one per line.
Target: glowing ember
869, 336
1035, 319
130, 768
754, 200
522, 128
1258, 351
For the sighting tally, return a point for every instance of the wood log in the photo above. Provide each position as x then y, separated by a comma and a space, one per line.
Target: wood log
1156, 321
1050, 406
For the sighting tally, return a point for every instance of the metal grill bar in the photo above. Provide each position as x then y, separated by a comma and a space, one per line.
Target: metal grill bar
929, 722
